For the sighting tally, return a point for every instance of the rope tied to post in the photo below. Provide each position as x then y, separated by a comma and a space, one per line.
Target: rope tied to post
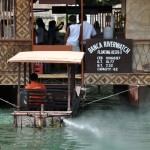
110, 96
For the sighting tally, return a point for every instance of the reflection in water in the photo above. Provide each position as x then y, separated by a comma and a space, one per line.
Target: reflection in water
107, 125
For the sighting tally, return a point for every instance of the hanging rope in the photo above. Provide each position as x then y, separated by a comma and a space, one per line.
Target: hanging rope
110, 96
85, 93
8, 102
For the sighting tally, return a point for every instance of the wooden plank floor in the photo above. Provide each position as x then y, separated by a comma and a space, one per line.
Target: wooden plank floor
44, 113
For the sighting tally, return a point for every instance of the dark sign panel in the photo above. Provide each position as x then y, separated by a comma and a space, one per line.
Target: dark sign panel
57, 1
88, 9
108, 56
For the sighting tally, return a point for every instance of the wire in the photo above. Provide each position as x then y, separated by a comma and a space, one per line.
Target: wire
110, 96
8, 102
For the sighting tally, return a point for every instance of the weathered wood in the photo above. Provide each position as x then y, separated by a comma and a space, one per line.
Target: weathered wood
52, 48
57, 76
69, 87
45, 113
52, 98
18, 92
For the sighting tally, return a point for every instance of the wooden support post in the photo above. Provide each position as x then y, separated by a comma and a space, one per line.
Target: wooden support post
82, 48
15, 121
18, 92
69, 87
52, 121
42, 108
60, 122
73, 69
34, 121
99, 89
133, 95
30, 70
25, 70
21, 121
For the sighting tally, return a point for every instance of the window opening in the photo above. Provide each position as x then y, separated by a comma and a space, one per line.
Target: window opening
7, 28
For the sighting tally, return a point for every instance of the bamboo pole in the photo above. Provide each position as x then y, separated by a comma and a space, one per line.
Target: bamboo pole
10, 23
1, 19
25, 70
18, 92
82, 49
32, 17
69, 86
7, 20
14, 27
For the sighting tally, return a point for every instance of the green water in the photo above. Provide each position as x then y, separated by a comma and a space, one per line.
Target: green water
109, 125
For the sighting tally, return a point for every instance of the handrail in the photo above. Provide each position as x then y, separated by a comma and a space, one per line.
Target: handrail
52, 48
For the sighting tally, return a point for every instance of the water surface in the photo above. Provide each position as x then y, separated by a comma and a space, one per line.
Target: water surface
109, 125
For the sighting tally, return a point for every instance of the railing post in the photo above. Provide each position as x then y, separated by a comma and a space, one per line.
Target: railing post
69, 86
18, 92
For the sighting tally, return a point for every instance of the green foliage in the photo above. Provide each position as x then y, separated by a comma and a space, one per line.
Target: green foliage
108, 2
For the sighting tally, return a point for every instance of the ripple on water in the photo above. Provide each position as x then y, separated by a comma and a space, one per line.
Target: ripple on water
103, 126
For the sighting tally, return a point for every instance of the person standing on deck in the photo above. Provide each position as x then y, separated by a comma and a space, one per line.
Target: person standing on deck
40, 31
88, 29
72, 38
97, 27
54, 32
57, 29
88, 32
73, 34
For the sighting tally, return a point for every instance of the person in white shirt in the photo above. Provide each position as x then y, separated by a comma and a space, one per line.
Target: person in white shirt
88, 32
73, 34
88, 29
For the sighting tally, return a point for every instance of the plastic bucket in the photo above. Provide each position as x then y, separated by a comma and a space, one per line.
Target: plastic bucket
108, 33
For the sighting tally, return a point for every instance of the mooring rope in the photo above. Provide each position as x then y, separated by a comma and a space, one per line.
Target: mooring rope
110, 96
8, 102
85, 93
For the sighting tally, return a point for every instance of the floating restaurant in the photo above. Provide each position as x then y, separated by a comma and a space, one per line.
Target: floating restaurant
118, 55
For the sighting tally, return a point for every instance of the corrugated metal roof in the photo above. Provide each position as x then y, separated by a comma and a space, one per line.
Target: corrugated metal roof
69, 57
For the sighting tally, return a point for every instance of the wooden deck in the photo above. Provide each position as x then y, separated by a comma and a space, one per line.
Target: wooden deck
57, 76
43, 114
61, 78
39, 118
